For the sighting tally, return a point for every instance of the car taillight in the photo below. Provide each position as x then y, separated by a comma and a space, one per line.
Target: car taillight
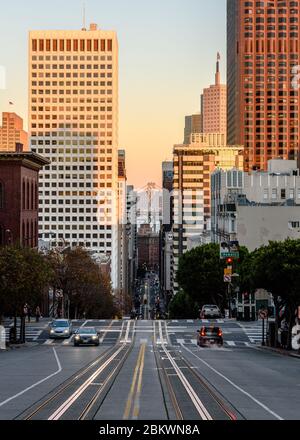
220, 333
202, 333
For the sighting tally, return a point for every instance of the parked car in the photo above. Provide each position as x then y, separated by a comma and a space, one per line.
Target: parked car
60, 328
210, 311
208, 336
86, 336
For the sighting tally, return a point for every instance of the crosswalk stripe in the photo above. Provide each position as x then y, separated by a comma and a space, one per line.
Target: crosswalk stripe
230, 343
190, 321
49, 342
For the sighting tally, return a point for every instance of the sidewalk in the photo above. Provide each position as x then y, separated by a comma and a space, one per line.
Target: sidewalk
279, 351
43, 321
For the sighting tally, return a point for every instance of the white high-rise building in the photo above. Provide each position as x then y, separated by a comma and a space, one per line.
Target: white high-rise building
73, 121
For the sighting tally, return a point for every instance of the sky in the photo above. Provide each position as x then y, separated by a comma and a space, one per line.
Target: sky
167, 56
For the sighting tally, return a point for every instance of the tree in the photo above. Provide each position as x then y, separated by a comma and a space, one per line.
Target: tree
24, 274
201, 274
87, 290
276, 268
182, 307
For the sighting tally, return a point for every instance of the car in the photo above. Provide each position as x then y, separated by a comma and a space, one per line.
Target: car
208, 336
210, 311
60, 328
86, 336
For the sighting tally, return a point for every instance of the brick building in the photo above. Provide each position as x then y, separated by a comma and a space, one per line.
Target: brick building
19, 197
148, 248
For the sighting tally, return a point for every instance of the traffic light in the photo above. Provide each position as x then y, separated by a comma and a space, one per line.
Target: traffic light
229, 260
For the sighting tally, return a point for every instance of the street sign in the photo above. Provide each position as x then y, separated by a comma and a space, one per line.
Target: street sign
229, 250
228, 271
227, 279
263, 314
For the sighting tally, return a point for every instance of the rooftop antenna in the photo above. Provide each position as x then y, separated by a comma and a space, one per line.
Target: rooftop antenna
84, 20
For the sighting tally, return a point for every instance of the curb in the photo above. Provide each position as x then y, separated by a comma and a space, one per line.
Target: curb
278, 351
20, 346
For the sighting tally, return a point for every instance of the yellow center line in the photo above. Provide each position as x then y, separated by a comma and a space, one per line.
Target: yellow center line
139, 388
129, 400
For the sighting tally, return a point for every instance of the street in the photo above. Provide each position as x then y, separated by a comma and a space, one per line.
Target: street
148, 370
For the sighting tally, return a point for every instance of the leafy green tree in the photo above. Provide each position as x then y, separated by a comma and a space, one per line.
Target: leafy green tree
276, 268
24, 274
201, 274
183, 307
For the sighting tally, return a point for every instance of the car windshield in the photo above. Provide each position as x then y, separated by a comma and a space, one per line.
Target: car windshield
60, 324
212, 330
210, 307
87, 331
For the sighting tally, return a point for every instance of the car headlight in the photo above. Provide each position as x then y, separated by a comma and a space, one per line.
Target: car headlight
66, 331
52, 331
95, 337
77, 337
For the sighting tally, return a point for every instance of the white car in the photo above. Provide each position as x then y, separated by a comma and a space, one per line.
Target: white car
211, 311
60, 328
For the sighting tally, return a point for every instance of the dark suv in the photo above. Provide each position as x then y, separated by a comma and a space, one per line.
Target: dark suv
208, 336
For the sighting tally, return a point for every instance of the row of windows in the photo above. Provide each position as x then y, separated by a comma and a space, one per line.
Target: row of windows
70, 45
29, 195
71, 58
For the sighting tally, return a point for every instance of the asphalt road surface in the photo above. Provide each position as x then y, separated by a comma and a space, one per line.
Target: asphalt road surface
148, 370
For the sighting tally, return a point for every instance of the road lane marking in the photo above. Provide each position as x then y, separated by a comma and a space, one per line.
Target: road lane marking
136, 408
262, 405
230, 343
132, 388
69, 402
48, 342
203, 412
37, 383
105, 332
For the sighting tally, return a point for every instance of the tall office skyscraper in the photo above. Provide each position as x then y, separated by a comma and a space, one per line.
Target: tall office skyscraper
73, 121
214, 105
12, 133
193, 124
263, 51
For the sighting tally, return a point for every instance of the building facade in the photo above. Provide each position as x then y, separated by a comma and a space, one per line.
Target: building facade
256, 208
263, 55
122, 230
214, 106
148, 248
19, 174
166, 236
12, 133
73, 120
193, 166
193, 124
131, 230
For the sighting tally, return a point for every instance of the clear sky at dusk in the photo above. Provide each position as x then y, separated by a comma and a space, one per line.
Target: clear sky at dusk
167, 55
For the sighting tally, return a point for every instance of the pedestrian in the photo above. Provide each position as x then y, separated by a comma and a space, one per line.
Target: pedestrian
29, 313
25, 310
37, 314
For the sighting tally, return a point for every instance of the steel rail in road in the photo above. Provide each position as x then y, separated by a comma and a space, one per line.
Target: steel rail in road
189, 383
83, 375
209, 390
64, 387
